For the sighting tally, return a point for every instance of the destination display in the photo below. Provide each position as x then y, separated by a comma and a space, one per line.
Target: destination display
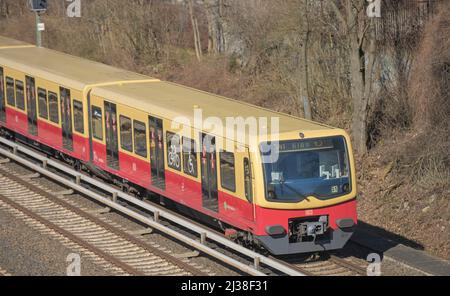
306, 145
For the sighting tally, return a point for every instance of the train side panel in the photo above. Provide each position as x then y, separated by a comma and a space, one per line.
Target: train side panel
48, 132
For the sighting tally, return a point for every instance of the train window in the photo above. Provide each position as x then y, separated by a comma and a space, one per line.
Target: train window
227, 171
189, 157
140, 138
97, 123
173, 151
78, 117
2, 97
20, 97
126, 134
10, 96
248, 180
2, 89
53, 107
43, 103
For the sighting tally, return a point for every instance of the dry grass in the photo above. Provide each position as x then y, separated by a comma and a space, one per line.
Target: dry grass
430, 101
405, 181
430, 82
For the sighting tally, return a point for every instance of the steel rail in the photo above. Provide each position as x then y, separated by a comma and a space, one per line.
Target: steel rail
204, 233
125, 267
110, 228
349, 265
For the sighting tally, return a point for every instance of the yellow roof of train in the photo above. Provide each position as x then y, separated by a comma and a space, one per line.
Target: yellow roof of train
165, 99
172, 100
64, 69
6, 42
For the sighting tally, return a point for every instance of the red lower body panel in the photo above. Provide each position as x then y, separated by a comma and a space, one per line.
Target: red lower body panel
80, 148
48, 134
267, 217
183, 190
306, 231
135, 170
17, 121
236, 211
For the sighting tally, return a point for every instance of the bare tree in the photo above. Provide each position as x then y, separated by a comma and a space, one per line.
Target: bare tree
306, 84
216, 38
197, 41
361, 46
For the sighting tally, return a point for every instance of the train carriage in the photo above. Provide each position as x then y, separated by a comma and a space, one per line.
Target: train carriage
6, 42
143, 134
45, 95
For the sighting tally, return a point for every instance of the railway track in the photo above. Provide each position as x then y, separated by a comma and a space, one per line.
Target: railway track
326, 265
112, 248
331, 266
207, 243
351, 267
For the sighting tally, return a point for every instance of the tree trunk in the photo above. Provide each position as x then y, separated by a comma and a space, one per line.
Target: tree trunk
216, 36
306, 89
358, 96
197, 42
361, 63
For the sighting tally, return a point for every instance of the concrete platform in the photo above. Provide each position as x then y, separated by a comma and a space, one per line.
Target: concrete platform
417, 259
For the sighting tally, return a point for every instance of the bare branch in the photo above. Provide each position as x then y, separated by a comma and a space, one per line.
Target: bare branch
338, 12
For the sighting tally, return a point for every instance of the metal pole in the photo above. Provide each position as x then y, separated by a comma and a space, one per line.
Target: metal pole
38, 32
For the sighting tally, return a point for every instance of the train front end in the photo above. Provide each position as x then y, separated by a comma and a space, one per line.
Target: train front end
308, 197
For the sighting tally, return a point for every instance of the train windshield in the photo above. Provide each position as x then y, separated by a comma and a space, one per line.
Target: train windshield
317, 167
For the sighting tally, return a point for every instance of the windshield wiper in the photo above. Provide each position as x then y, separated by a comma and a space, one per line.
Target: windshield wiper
283, 183
302, 196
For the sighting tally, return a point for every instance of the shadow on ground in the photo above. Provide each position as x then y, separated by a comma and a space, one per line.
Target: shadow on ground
388, 238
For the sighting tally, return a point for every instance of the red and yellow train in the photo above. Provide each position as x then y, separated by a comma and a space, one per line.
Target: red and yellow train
126, 128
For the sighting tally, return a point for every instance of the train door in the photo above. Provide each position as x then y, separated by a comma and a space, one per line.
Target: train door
249, 181
66, 118
2, 97
248, 177
157, 152
31, 106
210, 195
112, 143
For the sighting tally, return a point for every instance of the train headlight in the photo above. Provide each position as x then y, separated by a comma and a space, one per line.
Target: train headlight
275, 230
345, 223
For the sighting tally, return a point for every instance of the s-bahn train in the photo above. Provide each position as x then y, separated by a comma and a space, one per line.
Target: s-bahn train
126, 128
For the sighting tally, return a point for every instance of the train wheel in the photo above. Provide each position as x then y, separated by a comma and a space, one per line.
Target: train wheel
77, 166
